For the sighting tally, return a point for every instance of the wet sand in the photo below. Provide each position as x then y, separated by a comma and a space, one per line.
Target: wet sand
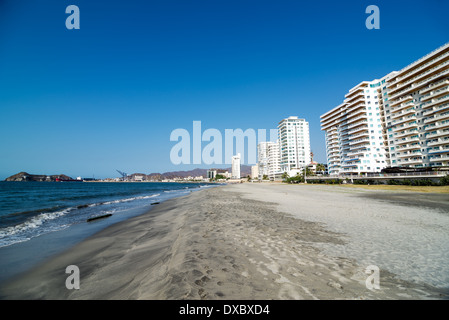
246, 241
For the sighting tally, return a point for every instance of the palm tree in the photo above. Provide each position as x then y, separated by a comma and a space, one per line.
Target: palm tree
285, 176
320, 168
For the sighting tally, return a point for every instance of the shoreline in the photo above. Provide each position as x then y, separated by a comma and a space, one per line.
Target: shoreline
25, 255
232, 242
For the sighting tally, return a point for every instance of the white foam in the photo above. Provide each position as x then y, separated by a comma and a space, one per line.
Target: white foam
33, 222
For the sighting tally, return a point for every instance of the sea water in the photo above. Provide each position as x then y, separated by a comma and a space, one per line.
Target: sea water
39, 219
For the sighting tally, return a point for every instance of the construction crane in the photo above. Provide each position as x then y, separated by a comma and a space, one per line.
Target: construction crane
123, 174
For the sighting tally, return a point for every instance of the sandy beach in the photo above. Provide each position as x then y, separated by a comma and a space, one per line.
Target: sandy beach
260, 241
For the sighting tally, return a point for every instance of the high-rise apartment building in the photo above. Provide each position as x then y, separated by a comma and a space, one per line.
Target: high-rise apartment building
235, 166
268, 159
294, 144
400, 120
416, 112
262, 159
354, 142
273, 160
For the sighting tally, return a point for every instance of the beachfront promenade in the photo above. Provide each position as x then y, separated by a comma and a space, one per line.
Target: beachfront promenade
433, 175
261, 241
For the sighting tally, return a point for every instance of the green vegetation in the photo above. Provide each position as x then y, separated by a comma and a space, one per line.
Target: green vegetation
296, 179
327, 181
444, 181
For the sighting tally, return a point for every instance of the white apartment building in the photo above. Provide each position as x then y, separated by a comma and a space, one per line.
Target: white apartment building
401, 120
294, 144
353, 132
416, 112
274, 158
268, 159
255, 172
262, 159
236, 166
211, 174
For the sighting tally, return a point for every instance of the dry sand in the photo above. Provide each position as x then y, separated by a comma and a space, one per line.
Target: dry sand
247, 241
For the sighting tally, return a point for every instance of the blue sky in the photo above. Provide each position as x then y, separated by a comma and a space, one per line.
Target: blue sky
107, 96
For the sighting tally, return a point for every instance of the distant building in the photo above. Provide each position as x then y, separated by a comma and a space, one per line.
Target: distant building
226, 174
274, 159
255, 172
211, 174
294, 144
236, 166
262, 159
268, 159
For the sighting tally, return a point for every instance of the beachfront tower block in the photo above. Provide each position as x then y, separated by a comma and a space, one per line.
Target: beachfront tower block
236, 166
294, 144
353, 132
416, 112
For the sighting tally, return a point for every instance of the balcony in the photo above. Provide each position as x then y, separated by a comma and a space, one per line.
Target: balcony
400, 101
416, 161
357, 130
360, 111
357, 110
416, 86
355, 142
355, 92
409, 154
434, 86
435, 101
362, 134
422, 67
439, 150
348, 165
410, 139
420, 76
358, 147
440, 158
435, 93
352, 120
402, 120
357, 124
406, 133
354, 154
437, 134
443, 107
402, 106
437, 117
413, 146
354, 102
413, 124
403, 113
437, 142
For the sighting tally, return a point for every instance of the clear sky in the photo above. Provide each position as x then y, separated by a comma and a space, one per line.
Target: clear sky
107, 96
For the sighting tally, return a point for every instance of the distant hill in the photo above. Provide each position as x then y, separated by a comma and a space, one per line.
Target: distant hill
244, 171
25, 176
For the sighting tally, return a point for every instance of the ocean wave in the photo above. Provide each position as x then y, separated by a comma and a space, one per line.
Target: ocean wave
129, 199
33, 223
44, 220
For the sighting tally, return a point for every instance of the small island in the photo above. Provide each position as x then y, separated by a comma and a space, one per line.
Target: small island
24, 176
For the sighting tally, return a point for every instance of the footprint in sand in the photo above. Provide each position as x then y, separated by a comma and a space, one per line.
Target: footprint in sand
202, 281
